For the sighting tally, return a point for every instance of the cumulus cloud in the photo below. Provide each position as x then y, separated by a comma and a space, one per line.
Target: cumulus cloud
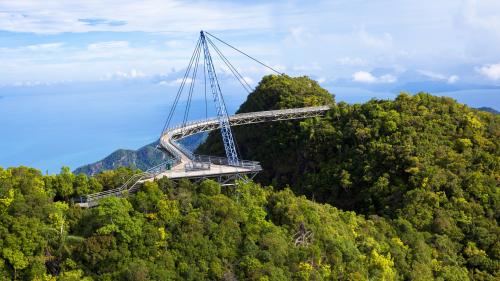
367, 77
364, 77
491, 71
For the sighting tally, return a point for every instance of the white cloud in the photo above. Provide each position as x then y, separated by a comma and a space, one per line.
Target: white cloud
491, 71
132, 74
367, 77
175, 82
249, 80
381, 42
53, 16
108, 45
351, 61
432, 75
299, 35
481, 14
342, 37
119, 51
453, 79
45, 47
387, 78
478, 24
35, 48
364, 77
307, 67
176, 44
438, 76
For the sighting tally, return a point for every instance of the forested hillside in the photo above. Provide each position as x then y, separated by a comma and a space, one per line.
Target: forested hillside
199, 232
386, 190
425, 160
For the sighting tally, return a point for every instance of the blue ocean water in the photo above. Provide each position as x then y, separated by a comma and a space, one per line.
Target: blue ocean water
75, 124
71, 125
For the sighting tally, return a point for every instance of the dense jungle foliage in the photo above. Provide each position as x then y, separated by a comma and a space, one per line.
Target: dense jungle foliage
426, 160
386, 190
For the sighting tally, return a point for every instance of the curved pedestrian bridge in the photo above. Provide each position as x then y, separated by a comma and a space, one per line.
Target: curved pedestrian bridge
185, 165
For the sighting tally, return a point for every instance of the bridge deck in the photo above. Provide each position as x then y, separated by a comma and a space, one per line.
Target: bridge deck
214, 170
187, 165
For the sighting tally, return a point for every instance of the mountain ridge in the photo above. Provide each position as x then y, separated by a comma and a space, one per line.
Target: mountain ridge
142, 158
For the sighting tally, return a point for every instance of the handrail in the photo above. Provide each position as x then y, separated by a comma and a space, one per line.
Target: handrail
223, 161
311, 109
133, 179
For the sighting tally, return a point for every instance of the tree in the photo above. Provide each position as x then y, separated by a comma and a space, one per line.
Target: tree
113, 217
64, 186
82, 185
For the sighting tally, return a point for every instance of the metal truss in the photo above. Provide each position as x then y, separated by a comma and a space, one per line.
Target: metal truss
222, 179
222, 116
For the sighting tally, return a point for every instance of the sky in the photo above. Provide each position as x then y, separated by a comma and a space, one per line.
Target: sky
59, 41
75, 51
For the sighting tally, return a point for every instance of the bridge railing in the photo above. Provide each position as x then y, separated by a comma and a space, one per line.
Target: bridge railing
163, 167
313, 109
197, 166
115, 191
151, 172
317, 109
223, 161
190, 123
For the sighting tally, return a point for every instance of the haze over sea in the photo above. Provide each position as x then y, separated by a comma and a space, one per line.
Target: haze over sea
50, 126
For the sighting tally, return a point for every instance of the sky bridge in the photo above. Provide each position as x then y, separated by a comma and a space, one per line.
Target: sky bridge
182, 163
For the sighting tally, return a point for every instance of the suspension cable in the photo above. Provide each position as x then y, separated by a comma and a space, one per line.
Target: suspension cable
235, 72
205, 80
234, 48
193, 81
228, 63
179, 92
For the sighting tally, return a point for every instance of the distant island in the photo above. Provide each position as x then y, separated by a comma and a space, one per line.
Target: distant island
488, 109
